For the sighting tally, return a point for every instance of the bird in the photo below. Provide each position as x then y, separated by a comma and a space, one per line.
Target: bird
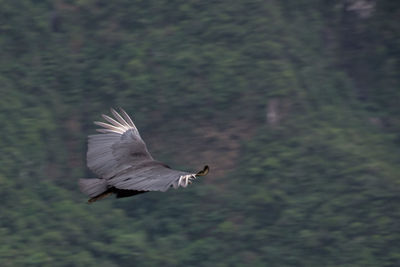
119, 157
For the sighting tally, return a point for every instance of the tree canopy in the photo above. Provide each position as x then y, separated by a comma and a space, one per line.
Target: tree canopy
293, 104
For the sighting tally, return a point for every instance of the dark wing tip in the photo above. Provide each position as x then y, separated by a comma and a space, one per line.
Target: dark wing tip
203, 172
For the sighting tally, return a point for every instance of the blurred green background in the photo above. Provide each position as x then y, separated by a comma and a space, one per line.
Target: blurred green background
295, 105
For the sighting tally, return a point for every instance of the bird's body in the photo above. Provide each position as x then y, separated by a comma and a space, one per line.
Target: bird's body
125, 167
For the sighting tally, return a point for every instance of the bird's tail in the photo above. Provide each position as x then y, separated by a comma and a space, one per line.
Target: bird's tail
93, 187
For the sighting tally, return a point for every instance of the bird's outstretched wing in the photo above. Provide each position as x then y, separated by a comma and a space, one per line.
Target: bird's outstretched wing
118, 148
151, 176
120, 156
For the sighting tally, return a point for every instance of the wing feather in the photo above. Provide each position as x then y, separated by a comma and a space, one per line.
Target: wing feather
105, 131
117, 148
114, 122
152, 176
119, 118
110, 127
127, 118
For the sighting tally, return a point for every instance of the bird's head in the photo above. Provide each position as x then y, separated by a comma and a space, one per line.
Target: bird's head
185, 180
203, 172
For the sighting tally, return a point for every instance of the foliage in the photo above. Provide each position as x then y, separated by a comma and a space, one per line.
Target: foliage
298, 98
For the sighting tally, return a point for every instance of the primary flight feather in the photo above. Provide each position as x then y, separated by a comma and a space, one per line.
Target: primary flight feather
120, 158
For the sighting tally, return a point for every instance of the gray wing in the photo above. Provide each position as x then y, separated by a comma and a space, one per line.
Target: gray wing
118, 148
151, 176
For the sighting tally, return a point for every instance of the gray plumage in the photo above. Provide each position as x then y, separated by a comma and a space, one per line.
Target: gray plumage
123, 164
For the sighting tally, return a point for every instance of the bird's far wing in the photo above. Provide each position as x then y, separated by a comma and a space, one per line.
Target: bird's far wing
151, 176
117, 148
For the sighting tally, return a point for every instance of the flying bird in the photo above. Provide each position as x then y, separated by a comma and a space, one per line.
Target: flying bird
120, 158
